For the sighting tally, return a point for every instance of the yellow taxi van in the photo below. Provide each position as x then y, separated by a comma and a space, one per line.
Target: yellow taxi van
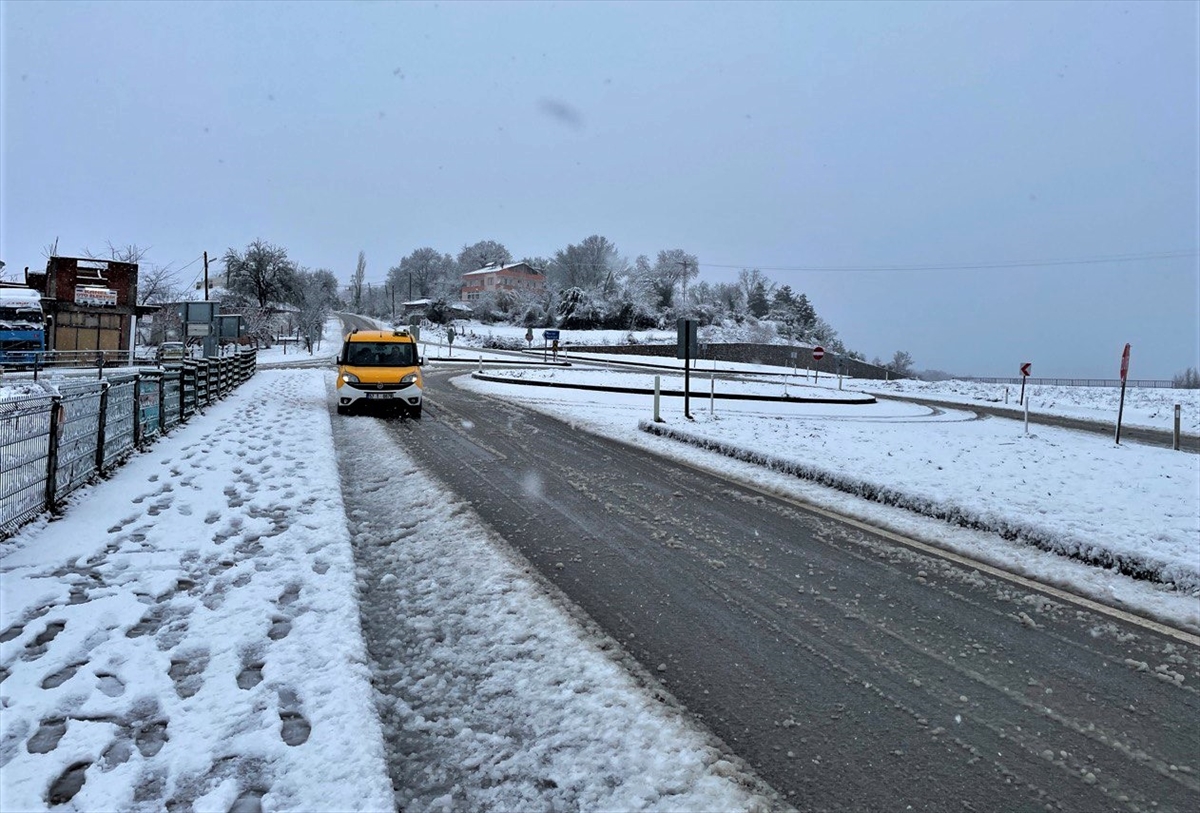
380, 370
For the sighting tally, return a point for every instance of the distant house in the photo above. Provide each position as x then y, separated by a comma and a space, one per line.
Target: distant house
415, 308
493, 278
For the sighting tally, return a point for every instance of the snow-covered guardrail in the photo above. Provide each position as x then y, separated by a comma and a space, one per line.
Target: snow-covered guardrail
56, 435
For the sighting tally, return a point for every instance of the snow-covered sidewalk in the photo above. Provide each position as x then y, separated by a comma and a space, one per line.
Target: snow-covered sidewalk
187, 633
188, 636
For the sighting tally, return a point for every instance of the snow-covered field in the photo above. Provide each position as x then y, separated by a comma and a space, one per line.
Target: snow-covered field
188, 633
1152, 407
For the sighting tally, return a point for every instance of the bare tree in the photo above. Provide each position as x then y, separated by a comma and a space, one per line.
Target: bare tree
674, 267
158, 285
901, 364
757, 289
315, 294
263, 272
356, 286
587, 265
130, 253
485, 252
1189, 379
426, 273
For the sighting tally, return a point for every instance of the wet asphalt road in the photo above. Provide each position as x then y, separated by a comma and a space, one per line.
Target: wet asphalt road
850, 671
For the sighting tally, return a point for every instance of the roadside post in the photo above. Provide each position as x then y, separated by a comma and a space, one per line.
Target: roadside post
712, 394
818, 354
657, 382
547, 337
529, 338
1024, 375
1175, 443
1026, 417
1124, 374
450, 340
686, 349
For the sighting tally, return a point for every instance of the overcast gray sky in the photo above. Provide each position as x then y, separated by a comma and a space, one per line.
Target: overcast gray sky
907, 165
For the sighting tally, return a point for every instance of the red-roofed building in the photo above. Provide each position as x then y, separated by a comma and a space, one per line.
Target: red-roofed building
493, 278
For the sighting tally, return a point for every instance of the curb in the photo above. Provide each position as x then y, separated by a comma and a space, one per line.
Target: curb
730, 396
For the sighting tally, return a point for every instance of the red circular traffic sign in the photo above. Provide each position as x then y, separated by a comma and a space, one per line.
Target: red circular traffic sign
818, 353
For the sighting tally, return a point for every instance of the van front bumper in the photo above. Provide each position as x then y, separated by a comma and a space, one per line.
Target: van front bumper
384, 395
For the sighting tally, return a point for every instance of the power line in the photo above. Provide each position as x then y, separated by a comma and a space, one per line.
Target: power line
967, 266
1115, 258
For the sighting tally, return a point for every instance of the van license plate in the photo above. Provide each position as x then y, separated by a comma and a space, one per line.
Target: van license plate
379, 395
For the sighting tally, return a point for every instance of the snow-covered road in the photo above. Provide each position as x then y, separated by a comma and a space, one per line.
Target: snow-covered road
190, 631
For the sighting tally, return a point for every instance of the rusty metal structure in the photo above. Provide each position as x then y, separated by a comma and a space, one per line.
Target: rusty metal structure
90, 303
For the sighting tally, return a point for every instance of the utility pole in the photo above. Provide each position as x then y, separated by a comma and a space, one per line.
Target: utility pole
393, 286
410, 286
206, 276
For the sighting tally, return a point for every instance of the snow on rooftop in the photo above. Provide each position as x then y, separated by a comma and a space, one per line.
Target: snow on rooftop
492, 269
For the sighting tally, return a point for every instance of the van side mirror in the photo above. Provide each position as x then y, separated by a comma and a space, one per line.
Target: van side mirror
339, 361
420, 361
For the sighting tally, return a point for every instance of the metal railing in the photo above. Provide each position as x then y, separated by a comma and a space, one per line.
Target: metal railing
1150, 383
60, 438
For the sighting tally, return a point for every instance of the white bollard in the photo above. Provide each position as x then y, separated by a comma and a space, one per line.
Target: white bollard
1027, 400
657, 417
712, 394
1175, 444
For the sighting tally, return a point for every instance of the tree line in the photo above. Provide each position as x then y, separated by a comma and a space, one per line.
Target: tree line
589, 285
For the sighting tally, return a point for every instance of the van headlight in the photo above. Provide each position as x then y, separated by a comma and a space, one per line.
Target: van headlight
349, 378
411, 378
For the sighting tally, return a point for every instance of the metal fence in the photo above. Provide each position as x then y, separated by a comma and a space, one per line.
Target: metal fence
1132, 383
55, 441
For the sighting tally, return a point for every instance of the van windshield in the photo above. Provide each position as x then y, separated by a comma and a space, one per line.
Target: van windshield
381, 354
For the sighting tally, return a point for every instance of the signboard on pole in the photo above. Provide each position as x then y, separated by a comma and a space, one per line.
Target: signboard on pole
1024, 374
1025, 368
687, 349
550, 335
688, 339
1124, 373
818, 353
229, 326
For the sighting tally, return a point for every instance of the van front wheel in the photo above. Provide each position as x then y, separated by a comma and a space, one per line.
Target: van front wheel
415, 413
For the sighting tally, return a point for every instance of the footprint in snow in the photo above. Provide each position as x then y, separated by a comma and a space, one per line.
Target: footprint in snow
68, 783
294, 728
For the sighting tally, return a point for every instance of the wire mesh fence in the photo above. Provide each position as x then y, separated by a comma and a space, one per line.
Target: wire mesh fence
57, 436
